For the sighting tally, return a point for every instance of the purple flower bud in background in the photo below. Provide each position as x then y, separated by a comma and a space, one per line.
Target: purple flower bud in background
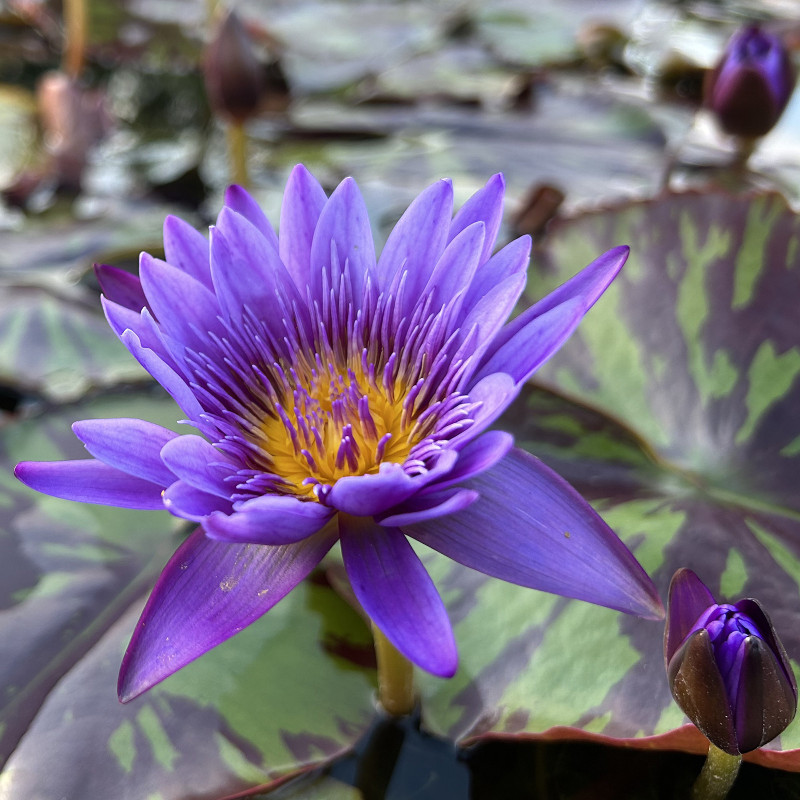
726, 667
749, 88
234, 77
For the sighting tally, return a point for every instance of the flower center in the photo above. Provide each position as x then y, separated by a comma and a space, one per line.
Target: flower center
329, 423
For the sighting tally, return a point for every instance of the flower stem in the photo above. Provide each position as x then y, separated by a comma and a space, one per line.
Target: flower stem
717, 776
395, 677
75, 25
237, 151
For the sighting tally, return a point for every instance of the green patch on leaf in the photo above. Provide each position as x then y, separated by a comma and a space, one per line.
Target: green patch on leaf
121, 744
770, 377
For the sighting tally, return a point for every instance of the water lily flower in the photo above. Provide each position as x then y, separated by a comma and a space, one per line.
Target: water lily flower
337, 396
726, 666
751, 85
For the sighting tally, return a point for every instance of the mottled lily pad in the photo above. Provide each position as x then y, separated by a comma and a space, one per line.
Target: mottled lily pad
676, 409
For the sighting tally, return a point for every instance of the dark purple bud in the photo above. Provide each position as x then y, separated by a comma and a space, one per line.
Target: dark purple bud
726, 667
233, 75
749, 88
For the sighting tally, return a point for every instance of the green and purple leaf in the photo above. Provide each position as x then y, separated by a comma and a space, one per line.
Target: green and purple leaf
675, 409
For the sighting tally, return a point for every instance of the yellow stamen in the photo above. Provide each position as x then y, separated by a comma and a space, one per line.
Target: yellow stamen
335, 423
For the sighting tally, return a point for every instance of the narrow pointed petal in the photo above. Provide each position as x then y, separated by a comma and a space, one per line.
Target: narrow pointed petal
242, 202
588, 285
270, 520
187, 502
167, 289
164, 374
486, 205
418, 240
131, 445
187, 249
397, 593
303, 202
766, 701
476, 457
554, 541
120, 287
192, 459
367, 495
90, 481
123, 319
454, 271
688, 599
487, 317
248, 272
344, 221
534, 344
208, 592
429, 506
512, 260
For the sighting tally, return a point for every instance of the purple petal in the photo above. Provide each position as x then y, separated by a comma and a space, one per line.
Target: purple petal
476, 457
269, 519
752, 608
187, 502
303, 201
587, 285
688, 598
242, 202
494, 393
208, 592
131, 445
123, 319
486, 206
120, 287
454, 271
534, 344
766, 701
90, 481
397, 593
344, 227
248, 272
187, 249
192, 459
164, 374
366, 495
186, 310
512, 260
429, 506
418, 240
552, 540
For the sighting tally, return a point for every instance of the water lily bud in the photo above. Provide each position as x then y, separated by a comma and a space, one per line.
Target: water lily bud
234, 77
750, 87
726, 667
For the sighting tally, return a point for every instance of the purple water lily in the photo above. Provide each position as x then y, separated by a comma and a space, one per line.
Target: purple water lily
726, 667
340, 397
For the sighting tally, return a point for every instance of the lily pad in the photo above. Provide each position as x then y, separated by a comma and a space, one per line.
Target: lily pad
53, 342
289, 693
675, 408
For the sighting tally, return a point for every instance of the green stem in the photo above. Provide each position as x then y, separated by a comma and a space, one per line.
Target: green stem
744, 149
717, 776
237, 151
395, 677
75, 26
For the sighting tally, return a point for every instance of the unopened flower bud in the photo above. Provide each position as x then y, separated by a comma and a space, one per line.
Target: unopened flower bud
234, 77
726, 667
749, 88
